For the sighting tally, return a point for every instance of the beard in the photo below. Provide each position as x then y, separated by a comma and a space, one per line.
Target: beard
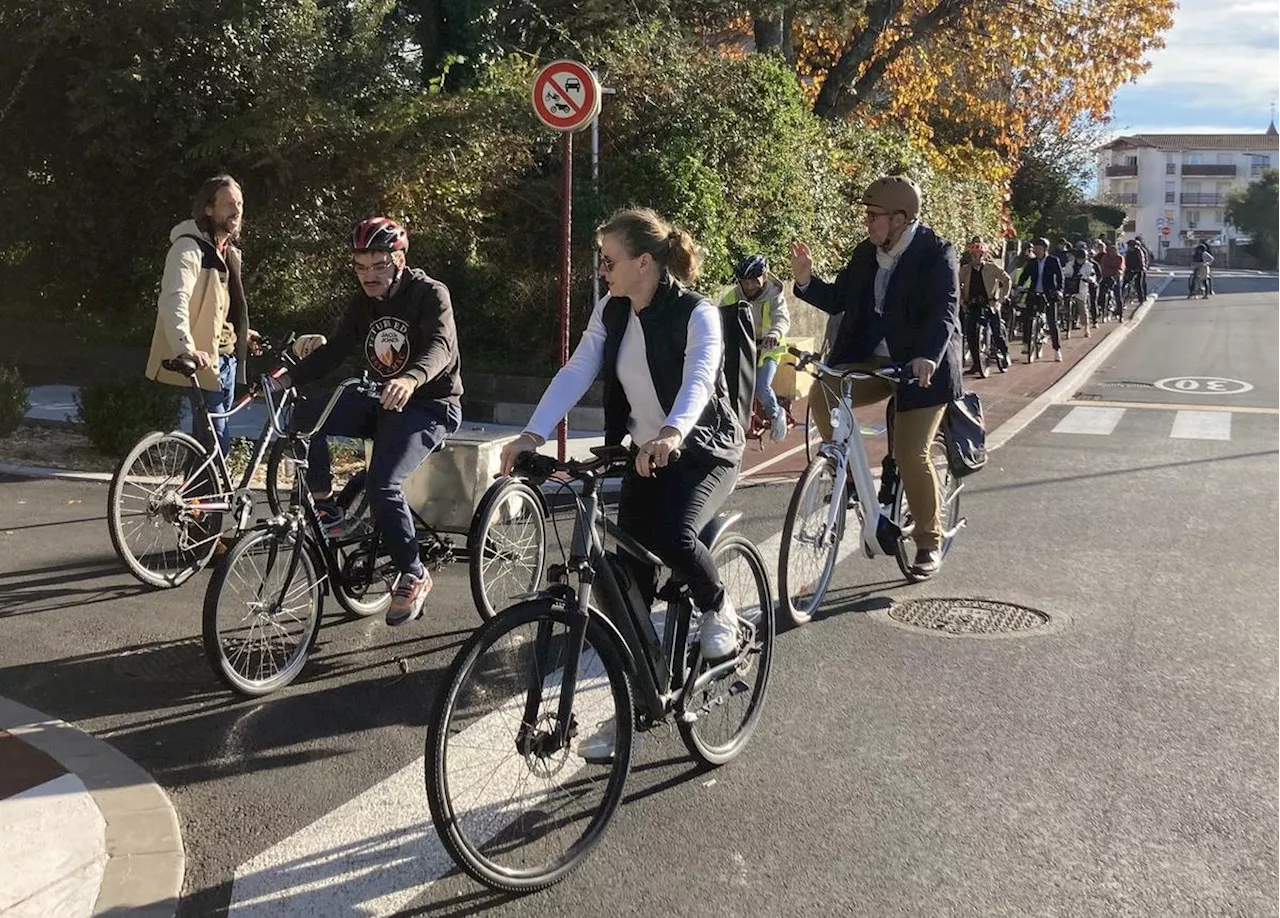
231, 228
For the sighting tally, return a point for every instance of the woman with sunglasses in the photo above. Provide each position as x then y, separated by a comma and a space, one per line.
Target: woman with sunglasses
401, 323
660, 346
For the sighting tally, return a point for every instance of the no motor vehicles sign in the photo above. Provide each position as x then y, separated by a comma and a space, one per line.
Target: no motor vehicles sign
566, 96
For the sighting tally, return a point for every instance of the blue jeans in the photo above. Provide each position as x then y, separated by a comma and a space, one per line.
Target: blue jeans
764, 388
215, 400
401, 440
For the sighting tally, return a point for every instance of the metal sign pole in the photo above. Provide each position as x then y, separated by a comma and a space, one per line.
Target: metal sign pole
566, 224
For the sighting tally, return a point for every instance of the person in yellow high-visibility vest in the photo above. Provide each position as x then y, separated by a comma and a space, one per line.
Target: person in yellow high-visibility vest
753, 284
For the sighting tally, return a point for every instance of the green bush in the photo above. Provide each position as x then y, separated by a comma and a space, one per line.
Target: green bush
13, 400
116, 415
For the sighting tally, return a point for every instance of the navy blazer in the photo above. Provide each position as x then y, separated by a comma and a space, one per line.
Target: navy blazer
921, 314
1052, 276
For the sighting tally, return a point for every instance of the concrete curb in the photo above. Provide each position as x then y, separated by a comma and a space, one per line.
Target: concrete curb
1074, 377
145, 857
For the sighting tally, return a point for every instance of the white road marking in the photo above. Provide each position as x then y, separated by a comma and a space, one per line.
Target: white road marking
376, 853
1201, 425
1089, 420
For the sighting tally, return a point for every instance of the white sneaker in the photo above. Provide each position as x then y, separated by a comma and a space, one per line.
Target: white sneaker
778, 426
1057, 355
597, 748
719, 632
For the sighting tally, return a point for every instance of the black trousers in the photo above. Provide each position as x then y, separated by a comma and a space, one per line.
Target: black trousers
978, 315
666, 511
1048, 304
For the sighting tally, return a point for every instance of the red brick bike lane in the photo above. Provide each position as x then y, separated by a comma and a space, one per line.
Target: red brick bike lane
1003, 396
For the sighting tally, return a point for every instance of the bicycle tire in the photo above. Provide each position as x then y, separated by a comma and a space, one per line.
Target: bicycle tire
813, 495
161, 518
506, 546
947, 499
224, 592
746, 581
479, 702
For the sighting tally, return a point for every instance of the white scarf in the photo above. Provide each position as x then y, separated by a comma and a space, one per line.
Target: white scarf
887, 259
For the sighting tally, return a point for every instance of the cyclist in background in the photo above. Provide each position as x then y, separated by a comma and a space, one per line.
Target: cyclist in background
755, 286
401, 325
1201, 259
1082, 270
983, 286
1135, 268
1042, 277
1111, 265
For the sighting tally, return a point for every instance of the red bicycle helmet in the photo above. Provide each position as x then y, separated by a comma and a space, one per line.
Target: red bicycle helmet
378, 234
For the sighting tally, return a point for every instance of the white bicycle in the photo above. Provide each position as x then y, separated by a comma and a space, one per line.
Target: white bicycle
816, 516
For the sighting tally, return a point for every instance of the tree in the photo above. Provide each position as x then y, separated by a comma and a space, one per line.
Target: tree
1256, 210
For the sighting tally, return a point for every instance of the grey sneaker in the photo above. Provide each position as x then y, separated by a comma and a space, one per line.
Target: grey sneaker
719, 632
408, 598
778, 425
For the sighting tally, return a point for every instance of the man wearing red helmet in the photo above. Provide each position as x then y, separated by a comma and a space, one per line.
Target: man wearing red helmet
401, 324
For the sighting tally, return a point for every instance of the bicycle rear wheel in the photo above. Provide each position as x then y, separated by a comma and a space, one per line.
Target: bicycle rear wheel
515, 810
728, 709
161, 538
507, 546
807, 558
948, 503
261, 613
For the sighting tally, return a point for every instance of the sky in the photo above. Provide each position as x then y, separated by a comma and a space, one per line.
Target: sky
1218, 73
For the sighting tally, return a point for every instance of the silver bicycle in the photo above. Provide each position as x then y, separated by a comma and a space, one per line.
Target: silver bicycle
820, 505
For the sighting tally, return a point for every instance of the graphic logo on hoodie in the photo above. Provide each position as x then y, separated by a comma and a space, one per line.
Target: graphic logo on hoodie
387, 346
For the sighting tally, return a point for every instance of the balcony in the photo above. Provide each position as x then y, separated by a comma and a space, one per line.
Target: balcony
1203, 199
1203, 169
1127, 197
1116, 171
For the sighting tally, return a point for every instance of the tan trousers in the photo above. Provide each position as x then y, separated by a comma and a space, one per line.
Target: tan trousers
913, 435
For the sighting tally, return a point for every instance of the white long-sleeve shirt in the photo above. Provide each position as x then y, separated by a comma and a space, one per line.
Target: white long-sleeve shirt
704, 347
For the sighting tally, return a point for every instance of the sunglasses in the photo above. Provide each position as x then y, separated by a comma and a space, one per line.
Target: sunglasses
610, 263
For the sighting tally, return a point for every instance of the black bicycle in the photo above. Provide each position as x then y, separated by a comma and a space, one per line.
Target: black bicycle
263, 605
170, 495
529, 744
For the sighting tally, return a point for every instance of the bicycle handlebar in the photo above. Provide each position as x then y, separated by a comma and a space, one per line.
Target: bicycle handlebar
607, 459
362, 384
186, 364
889, 372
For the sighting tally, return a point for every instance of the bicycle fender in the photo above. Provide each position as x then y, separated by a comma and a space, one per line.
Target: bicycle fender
716, 527
559, 601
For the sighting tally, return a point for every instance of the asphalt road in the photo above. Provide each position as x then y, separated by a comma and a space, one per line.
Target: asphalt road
1121, 760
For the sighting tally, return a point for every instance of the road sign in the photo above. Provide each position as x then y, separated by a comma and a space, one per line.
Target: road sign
1165, 231
1203, 385
566, 96
1159, 221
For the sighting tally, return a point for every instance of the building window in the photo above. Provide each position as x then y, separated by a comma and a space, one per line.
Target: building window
1170, 168
1194, 159
1193, 218
1131, 160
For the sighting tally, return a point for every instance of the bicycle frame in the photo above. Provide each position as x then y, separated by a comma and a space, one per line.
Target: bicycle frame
657, 683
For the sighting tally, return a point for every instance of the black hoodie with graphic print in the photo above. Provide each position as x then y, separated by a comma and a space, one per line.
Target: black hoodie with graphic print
411, 333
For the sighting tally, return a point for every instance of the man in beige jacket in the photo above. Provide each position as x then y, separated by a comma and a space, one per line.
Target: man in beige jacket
983, 286
201, 312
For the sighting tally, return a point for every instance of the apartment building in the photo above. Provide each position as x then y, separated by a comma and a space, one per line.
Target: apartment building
1174, 186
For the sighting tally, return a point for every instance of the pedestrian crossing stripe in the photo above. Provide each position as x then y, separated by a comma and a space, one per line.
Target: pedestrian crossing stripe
1188, 424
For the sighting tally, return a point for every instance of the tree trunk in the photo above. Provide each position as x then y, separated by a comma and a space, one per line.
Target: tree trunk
837, 98
789, 34
768, 28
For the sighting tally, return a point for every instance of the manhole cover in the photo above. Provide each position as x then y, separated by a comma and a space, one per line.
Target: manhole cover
178, 662
967, 616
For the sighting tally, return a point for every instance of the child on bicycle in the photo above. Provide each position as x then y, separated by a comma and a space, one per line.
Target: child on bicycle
401, 324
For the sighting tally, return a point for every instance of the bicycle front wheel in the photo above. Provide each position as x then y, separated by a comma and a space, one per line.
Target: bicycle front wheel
948, 509
810, 541
153, 515
515, 808
728, 709
507, 546
261, 613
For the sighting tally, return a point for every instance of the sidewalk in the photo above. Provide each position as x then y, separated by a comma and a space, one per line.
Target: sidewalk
83, 830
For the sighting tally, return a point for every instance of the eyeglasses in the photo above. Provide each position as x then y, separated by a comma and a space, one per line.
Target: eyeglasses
376, 268
873, 215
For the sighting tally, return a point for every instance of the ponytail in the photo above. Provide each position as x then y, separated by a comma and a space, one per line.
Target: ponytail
642, 231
